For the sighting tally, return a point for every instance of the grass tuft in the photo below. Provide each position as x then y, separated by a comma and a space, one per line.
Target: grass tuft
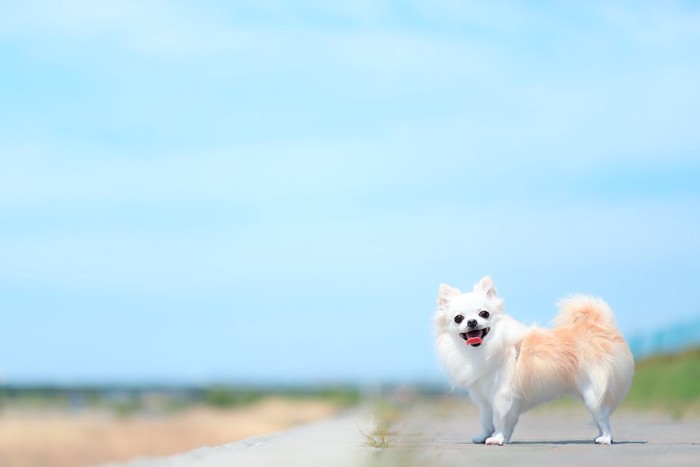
378, 436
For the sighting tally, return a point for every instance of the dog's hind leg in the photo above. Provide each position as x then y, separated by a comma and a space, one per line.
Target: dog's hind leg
601, 415
602, 419
593, 401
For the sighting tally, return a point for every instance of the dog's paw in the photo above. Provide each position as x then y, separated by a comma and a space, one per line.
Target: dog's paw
480, 439
496, 440
604, 439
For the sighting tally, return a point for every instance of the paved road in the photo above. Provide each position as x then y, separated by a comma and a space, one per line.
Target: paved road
437, 434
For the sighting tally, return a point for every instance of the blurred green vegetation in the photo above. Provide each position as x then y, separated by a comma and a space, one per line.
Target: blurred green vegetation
126, 401
222, 397
226, 396
668, 381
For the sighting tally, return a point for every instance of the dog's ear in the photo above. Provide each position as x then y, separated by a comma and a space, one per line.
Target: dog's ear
485, 285
445, 294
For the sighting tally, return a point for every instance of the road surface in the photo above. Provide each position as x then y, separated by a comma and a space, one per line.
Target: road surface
438, 433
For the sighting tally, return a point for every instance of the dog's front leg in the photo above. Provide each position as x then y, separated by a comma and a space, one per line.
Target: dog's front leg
486, 418
505, 415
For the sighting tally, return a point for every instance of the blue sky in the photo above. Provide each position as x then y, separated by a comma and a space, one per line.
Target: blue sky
272, 191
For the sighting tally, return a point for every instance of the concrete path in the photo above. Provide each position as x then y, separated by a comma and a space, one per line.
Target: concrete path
437, 433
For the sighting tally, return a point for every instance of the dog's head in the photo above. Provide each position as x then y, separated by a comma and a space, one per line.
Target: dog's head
470, 315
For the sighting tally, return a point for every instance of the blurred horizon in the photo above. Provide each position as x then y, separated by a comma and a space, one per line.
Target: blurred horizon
672, 341
272, 192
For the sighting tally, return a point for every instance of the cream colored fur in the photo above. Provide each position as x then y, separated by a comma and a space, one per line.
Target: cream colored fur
517, 367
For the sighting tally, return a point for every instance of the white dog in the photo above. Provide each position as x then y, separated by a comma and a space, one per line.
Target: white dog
509, 368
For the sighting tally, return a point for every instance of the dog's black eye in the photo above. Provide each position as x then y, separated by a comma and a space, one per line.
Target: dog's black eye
459, 319
484, 314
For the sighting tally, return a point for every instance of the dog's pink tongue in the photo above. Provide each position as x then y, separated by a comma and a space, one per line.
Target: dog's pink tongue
474, 340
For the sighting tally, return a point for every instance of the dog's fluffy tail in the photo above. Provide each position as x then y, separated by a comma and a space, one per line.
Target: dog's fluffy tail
605, 362
579, 308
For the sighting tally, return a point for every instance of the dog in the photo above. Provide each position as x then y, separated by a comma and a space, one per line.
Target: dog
509, 368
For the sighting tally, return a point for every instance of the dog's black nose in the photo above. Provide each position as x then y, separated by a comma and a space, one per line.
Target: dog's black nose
471, 323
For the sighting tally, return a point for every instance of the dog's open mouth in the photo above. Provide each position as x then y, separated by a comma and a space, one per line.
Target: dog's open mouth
475, 337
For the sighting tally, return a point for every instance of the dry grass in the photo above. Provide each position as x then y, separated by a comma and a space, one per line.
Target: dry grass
380, 434
378, 437
61, 439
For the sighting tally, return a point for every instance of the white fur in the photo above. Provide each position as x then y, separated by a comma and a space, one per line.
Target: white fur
517, 367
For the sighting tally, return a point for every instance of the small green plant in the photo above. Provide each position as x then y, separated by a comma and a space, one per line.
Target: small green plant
378, 436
